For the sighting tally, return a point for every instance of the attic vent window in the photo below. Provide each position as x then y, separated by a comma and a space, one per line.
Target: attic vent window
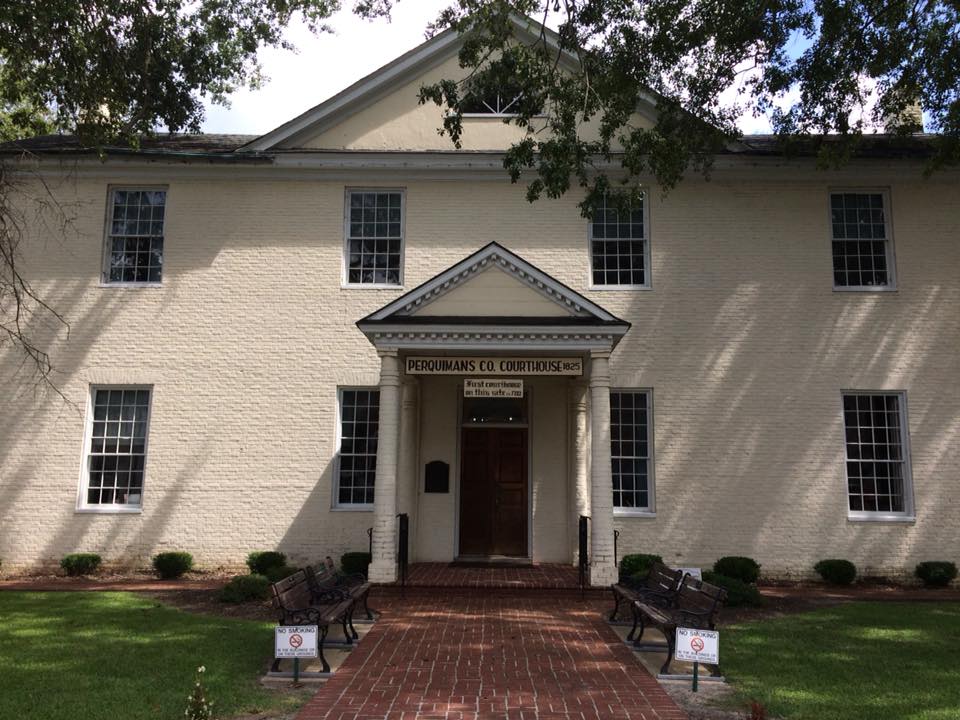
492, 104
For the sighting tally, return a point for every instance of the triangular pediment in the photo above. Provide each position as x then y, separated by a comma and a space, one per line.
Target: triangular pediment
493, 284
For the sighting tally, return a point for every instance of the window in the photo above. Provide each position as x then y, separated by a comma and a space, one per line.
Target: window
630, 450
862, 248
117, 450
878, 476
357, 465
619, 251
374, 237
134, 252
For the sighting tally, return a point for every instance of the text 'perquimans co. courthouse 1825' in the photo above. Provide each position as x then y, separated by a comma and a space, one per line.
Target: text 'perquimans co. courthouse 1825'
271, 337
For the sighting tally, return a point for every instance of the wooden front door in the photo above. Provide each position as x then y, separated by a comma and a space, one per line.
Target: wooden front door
493, 492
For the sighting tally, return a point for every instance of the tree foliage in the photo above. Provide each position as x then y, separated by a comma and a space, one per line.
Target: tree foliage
814, 67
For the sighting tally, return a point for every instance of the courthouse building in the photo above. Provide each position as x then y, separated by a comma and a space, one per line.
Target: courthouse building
282, 341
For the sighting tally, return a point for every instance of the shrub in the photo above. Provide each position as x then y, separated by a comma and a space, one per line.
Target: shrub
77, 564
245, 587
355, 563
936, 573
739, 593
261, 561
636, 565
837, 571
739, 568
171, 565
275, 574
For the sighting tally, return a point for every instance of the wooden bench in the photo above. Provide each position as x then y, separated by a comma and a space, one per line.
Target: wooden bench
297, 605
696, 605
659, 588
327, 576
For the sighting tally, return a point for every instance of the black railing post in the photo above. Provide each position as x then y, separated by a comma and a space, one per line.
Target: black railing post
403, 549
583, 559
370, 543
616, 536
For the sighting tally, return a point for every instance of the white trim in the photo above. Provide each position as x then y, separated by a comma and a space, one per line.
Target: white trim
106, 245
884, 192
647, 267
651, 509
909, 507
82, 506
335, 503
344, 269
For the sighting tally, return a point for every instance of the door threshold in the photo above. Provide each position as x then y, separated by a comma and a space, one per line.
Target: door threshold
491, 561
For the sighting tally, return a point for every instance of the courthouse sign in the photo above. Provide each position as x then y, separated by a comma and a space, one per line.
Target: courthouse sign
419, 365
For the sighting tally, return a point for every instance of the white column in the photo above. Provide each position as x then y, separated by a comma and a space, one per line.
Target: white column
408, 479
579, 455
383, 568
603, 570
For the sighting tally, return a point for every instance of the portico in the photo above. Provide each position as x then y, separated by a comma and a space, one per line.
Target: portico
513, 465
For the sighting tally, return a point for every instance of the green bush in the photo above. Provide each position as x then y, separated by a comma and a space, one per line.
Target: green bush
355, 563
936, 573
171, 565
77, 564
739, 593
740, 568
245, 587
276, 574
837, 571
637, 566
261, 561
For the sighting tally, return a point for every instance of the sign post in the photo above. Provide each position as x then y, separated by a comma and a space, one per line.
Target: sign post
697, 646
295, 641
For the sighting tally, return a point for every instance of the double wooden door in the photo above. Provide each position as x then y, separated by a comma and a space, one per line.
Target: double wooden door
493, 492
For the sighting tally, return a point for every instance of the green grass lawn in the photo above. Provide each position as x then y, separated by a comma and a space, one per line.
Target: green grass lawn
860, 660
117, 656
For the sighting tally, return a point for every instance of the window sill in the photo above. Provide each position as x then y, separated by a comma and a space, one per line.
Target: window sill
609, 288
880, 517
369, 286
109, 510
627, 512
865, 289
352, 508
128, 286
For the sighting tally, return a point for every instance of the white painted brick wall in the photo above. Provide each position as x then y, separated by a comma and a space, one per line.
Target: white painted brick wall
742, 340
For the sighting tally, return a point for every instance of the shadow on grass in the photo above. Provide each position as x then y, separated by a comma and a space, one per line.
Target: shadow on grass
862, 660
115, 655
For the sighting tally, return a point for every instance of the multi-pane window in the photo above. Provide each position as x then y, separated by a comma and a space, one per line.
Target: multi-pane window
134, 252
118, 447
357, 467
374, 237
862, 254
630, 449
619, 252
877, 470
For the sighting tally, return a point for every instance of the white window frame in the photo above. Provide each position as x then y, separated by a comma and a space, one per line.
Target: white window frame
345, 269
335, 503
651, 509
891, 285
107, 249
114, 508
909, 512
648, 269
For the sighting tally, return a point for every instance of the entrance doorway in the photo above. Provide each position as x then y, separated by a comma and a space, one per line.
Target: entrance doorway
493, 492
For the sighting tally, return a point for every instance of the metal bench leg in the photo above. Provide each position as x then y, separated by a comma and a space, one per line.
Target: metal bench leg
366, 597
353, 630
275, 667
671, 646
346, 632
633, 630
324, 629
616, 604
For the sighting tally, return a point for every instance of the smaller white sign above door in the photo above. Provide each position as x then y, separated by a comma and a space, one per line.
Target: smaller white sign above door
492, 388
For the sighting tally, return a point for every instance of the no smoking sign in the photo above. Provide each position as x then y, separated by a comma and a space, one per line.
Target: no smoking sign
700, 646
295, 641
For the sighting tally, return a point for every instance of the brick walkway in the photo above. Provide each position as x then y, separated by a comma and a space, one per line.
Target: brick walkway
544, 576
490, 655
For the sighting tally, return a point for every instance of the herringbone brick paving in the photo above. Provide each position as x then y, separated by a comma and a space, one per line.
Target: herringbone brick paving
467, 655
